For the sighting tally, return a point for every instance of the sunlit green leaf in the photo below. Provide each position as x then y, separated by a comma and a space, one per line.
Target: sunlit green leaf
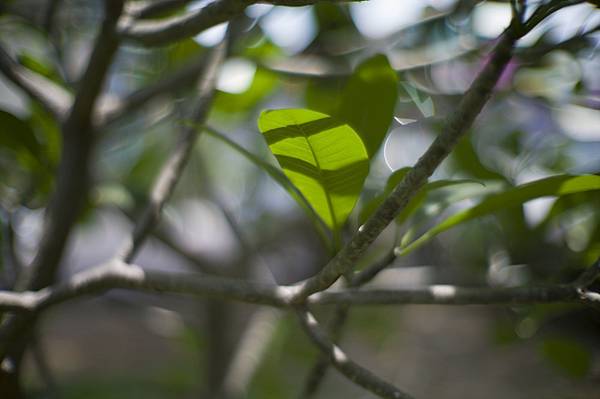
551, 186
323, 157
568, 355
369, 99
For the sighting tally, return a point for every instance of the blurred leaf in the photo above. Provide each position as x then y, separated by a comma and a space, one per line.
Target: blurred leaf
551, 186
323, 157
568, 355
368, 101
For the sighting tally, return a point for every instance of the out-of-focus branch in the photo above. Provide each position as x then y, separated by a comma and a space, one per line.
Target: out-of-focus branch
353, 371
69, 195
156, 33
78, 139
51, 96
171, 171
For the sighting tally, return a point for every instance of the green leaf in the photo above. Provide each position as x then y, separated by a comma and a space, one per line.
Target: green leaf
322, 156
568, 355
552, 186
369, 99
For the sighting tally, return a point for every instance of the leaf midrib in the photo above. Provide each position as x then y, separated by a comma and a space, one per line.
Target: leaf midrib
321, 177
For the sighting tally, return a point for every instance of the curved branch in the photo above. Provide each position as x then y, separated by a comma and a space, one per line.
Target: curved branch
344, 364
156, 33
162, 32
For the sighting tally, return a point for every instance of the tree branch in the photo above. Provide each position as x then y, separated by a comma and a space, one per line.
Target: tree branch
344, 364
117, 274
452, 295
70, 191
156, 33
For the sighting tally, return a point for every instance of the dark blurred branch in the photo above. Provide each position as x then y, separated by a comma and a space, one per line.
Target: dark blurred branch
78, 140
156, 33
173, 167
338, 359
10, 259
68, 197
51, 96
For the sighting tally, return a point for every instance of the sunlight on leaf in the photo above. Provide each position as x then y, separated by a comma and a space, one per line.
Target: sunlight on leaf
323, 157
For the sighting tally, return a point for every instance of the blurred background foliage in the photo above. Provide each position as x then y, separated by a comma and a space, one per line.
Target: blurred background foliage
229, 214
